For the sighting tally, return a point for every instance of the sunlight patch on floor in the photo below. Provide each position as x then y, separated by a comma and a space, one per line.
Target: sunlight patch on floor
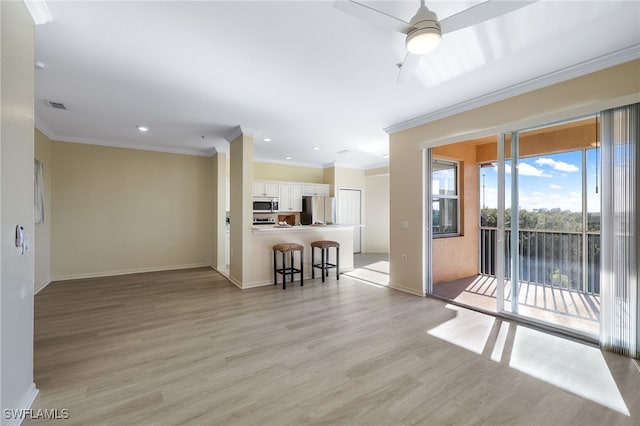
572, 366
375, 272
575, 367
469, 329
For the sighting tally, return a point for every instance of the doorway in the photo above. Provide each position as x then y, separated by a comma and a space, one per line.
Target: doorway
529, 208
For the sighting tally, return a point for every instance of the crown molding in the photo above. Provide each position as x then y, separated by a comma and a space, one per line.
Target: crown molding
377, 165
286, 163
574, 71
45, 130
39, 11
347, 166
167, 150
239, 130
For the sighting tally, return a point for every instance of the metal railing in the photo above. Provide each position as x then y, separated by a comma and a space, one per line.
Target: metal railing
551, 258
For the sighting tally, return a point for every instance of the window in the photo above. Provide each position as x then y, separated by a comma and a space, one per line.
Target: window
445, 203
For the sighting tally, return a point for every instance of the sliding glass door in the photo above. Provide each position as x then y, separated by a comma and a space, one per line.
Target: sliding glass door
550, 216
556, 230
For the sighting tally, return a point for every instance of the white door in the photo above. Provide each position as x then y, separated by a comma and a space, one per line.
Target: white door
349, 209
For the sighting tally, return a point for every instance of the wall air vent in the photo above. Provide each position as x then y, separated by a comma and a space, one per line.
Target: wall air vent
57, 105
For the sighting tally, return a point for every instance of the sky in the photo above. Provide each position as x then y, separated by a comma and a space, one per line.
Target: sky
546, 182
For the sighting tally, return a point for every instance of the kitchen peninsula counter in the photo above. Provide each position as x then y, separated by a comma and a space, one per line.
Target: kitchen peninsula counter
295, 228
264, 237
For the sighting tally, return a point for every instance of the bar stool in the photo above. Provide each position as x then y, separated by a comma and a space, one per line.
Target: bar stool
285, 248
324, 264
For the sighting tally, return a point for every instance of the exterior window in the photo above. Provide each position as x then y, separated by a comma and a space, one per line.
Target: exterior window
445, 201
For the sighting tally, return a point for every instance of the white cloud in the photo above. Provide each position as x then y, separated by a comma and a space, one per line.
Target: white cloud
525, 169
554, 186
560, 166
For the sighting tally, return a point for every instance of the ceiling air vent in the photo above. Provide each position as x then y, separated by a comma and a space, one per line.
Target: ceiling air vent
57, 105
344, 151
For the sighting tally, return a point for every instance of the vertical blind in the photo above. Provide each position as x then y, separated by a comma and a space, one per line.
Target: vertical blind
620, 247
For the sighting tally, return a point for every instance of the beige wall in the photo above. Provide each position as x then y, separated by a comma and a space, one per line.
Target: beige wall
461, 251
241, 213
375, 238
17, 389
346, 177
42, 237
561, 138
570, 98
329, 177
283, 172
120, 210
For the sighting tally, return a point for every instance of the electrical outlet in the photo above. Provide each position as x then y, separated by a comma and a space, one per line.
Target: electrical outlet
171, 245
404, 258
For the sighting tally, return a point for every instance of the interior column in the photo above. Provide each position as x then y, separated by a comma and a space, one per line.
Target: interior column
241, 213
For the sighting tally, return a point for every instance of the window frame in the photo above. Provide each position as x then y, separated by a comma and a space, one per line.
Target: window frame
434, 197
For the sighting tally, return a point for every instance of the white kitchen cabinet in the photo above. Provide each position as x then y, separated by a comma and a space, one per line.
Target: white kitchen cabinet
265, 189
315, 189
290, 197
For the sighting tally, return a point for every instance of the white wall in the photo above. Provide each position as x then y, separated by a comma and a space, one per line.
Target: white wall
16, 205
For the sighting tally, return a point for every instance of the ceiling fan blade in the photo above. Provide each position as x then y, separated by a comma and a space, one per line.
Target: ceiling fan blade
480, 13
407, 69
374, 16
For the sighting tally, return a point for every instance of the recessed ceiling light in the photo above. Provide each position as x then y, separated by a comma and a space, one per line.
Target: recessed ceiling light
142, 128
267, 139
288, 158
39, 65
316, 148
385, 155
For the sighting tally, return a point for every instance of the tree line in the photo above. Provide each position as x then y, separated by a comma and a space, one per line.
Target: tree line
542, 219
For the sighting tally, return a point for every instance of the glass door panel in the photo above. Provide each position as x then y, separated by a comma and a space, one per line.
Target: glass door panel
551, 270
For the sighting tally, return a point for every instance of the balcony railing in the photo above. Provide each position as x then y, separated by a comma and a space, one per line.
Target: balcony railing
551, 258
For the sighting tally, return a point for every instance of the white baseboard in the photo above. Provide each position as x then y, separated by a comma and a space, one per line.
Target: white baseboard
405, 289
41, 287
128, 272
25, 404
234, 281
256, 284
222, 271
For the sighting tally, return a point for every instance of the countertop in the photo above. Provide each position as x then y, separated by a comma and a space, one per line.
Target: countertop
298, 228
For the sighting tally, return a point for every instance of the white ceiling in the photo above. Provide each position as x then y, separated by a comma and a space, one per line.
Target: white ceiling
299, 72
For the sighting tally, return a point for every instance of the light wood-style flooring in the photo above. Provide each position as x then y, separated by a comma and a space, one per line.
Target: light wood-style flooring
188, 347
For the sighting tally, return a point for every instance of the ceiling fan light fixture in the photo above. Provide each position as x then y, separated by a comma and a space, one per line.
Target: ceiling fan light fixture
423, 40
425, 34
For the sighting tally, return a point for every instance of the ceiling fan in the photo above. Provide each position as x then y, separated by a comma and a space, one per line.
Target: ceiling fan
424, 31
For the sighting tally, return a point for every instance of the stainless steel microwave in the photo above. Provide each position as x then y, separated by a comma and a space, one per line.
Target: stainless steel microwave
265, 205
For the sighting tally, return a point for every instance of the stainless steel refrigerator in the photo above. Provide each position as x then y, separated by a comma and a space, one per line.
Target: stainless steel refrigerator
318, 210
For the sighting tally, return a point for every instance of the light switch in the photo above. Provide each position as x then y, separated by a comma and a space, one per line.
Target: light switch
405, 224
